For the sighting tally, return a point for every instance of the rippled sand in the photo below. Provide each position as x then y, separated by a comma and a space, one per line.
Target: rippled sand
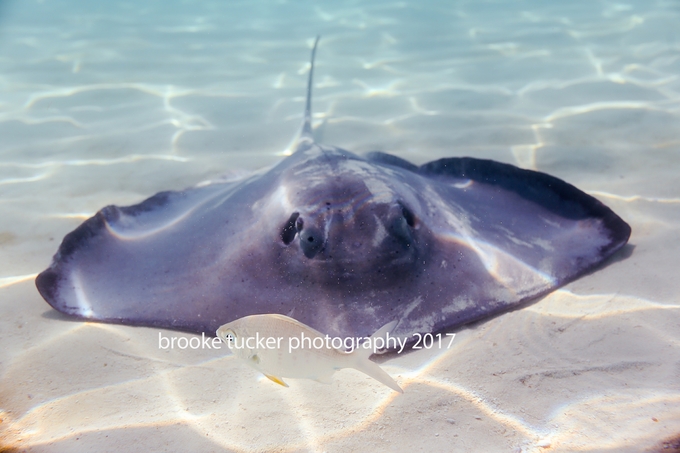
109, 104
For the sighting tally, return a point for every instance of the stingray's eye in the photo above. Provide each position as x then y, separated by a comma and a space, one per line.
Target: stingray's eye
408, 216
311, 241
290, 229
402, 224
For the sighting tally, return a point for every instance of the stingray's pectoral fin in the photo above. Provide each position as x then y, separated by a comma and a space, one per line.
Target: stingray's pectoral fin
278, 380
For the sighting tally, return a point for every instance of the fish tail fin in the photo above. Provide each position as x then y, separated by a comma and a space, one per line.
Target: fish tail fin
373, 370
363, 363
306, 131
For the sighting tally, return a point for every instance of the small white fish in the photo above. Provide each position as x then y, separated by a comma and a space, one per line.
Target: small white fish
266, 342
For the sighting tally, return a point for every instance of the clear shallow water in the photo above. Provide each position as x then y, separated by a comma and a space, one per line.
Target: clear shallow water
109, 103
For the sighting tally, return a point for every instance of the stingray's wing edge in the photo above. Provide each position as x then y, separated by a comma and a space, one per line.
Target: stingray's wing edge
388, 159
548, 191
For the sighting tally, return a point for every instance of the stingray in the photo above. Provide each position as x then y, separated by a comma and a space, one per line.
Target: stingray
342, 243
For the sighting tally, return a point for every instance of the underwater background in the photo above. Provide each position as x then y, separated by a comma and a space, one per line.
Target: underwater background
110, 102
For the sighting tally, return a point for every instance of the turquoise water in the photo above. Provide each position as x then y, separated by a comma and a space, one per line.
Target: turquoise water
110, 102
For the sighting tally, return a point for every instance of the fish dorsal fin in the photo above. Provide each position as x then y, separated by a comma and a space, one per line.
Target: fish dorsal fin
306, 130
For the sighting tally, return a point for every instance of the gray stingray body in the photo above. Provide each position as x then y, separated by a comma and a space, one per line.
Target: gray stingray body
342, 243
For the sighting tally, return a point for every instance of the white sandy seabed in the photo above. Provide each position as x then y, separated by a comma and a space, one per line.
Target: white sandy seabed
110, 104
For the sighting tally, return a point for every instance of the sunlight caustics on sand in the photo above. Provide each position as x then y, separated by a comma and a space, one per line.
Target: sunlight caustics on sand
109, 104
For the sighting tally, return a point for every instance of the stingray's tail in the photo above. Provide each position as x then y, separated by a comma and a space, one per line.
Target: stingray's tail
362, 363
306, 131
